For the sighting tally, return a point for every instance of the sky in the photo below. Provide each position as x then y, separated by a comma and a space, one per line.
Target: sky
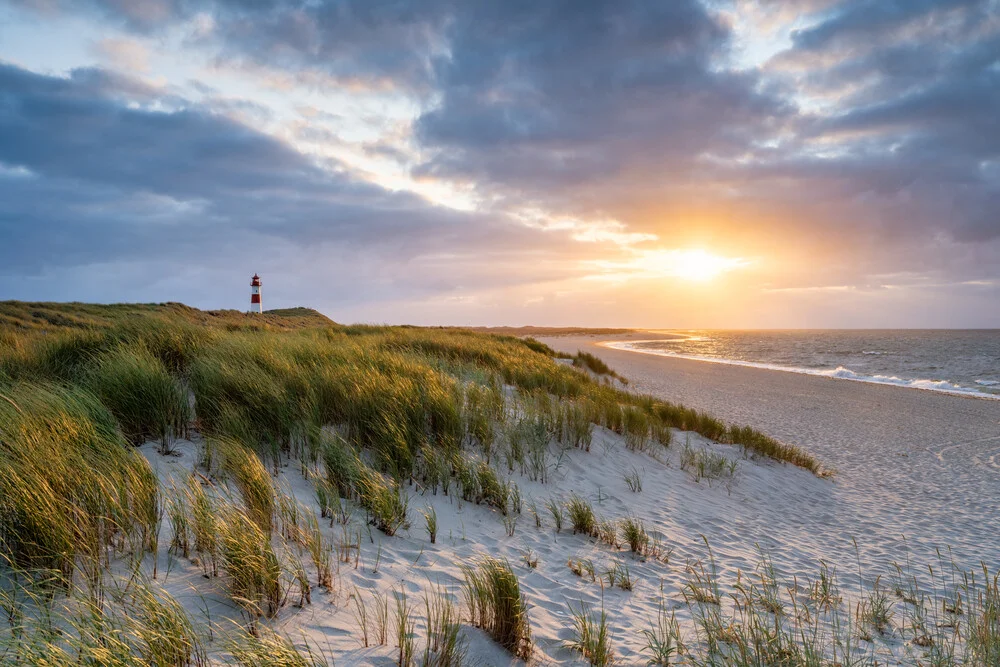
661, 163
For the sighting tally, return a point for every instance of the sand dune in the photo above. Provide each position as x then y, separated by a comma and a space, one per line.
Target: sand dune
916, 471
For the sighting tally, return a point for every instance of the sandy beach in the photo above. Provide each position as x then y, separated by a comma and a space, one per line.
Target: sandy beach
913, 464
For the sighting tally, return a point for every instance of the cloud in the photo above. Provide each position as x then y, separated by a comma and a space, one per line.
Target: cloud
870, 145
96, 174
124, 54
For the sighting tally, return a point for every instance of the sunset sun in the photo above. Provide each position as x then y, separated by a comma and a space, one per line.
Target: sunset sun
696, 265
691, 264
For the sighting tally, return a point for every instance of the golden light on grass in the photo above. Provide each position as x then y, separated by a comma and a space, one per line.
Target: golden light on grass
693, 264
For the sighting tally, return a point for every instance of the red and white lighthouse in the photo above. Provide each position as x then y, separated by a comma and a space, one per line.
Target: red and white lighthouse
255, 306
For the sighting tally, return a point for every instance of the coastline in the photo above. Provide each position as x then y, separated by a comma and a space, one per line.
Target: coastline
921, 464
840, 373
733, 391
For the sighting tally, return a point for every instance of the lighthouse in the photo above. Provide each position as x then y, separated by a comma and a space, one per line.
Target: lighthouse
255, 306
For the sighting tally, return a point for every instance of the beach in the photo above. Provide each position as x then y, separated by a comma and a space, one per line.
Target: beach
916, 470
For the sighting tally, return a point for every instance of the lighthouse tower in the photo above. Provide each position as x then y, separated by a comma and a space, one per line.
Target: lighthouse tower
255, 306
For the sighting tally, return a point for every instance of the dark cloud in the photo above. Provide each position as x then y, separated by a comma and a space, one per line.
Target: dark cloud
87, 177
82, 127
913, 91
388, 43
855, 21
596, 110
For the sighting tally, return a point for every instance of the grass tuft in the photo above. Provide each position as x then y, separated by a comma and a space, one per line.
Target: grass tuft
591, 636
269, 649
581, 516
496, 604
250, 564
445, 645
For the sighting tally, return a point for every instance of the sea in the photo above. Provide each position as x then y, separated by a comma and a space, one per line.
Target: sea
952, 361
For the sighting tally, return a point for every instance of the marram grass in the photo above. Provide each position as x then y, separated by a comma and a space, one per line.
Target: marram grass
372, 407
238, 463
70, 487
495, 604
147, 401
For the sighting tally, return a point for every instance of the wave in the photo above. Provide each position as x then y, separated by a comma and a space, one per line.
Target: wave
839, 373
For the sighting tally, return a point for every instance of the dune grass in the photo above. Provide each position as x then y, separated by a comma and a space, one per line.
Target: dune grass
71, 490
129, 622
393, 390
703, 464
445, 646
405, 629
269, 649
591, 636
633, 480
147, 401
596, 365
495, 604
663, 641
581, 516
364, 411
634, 534
241, 465
250, 564
386, 503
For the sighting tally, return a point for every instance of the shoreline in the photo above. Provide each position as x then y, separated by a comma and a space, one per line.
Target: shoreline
889, 381
737, 393
925, 463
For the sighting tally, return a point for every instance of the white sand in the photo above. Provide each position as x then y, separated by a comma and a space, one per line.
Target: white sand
916, 471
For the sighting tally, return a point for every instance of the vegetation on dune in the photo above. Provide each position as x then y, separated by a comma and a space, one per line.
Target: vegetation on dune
595, 364
134, 623
495, 604
366, 411
591, 636
71, 491
148, 402
28, 315
268, 649
394, 388
231, 460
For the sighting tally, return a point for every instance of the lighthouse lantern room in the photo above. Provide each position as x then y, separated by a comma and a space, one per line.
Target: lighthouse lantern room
255, 306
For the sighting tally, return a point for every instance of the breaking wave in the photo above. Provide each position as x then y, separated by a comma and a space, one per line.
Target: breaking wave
839, 373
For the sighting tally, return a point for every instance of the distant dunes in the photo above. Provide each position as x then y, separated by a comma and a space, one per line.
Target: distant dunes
75, 315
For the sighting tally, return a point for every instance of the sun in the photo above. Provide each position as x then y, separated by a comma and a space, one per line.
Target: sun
692, 264
696, 265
